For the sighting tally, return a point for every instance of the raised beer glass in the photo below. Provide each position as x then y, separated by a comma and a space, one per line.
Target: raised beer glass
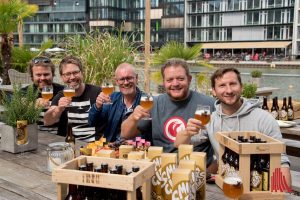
107, 88
232, 185
47, 93
203, 114
69, 91
146, 102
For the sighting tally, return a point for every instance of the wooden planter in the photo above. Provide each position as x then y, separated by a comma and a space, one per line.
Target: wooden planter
9, 140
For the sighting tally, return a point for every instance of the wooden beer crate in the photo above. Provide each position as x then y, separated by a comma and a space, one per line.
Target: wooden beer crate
68, 173
272, 147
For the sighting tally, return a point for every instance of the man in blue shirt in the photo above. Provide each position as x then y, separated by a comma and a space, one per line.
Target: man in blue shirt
123, 103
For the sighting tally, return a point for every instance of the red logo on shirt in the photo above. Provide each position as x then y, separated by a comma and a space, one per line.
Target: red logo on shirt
172, 126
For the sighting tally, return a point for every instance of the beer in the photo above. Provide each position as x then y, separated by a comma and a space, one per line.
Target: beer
47, 95
203, 116
274, 109
146, 103
265, 104
69, 93
107, 90
290, 108
70, 138
72, 194
233, 187
284, 111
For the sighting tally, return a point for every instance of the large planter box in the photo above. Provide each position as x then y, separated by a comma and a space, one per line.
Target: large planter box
9, 143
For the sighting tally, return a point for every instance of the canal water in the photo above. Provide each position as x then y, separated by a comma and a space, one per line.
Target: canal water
287, 80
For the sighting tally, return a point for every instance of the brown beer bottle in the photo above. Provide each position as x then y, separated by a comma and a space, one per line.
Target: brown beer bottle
72, 194
70, 138
274, 110
265, 104
255, 174
284, 110
265, 162
290, 109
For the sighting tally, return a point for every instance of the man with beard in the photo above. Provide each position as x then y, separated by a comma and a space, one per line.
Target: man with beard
170, 111
74, 111
234, 113
123, 102
42, 71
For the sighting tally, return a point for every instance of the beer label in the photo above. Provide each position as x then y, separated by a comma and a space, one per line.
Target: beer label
275, 114
255, 179
182, 191
283, 115
265, 183
290, 114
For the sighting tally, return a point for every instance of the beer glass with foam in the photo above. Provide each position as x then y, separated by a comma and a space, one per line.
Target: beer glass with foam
69, 91
47, 93
146, 102
107, 88
203, 114
233, 186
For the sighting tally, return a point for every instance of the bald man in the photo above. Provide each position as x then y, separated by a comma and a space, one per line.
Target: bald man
110, 116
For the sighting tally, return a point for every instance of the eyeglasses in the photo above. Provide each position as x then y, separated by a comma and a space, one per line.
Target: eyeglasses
41, 60
128, 79
68, 75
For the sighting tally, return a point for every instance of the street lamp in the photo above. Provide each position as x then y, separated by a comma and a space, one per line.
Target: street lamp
147, 45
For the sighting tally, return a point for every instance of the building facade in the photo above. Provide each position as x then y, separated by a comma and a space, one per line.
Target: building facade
270, 26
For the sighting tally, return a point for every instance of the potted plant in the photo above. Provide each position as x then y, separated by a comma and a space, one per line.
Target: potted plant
19, 133
249, 90
256, 77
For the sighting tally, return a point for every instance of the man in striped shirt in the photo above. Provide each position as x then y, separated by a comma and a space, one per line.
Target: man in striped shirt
74, 110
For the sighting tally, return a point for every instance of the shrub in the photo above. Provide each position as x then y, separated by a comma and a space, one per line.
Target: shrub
256, 74
249, 90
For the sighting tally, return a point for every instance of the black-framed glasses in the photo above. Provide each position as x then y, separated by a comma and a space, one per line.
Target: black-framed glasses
41, 60
128, 79
68, 74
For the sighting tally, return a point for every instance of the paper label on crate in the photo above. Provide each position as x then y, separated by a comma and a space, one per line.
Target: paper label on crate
166, 180
182, 191
156, 179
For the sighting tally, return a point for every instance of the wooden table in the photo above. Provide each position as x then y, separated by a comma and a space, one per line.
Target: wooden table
291, 137
27, 177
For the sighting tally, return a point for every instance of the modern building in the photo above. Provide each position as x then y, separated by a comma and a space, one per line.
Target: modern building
237, 26
226, 26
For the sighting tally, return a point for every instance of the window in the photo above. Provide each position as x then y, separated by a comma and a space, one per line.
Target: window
277, 16
270, 3
255, 17
229, 34
270, 16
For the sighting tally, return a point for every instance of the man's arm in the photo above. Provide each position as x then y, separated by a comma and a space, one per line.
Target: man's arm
54, 112
129, 127
52, 115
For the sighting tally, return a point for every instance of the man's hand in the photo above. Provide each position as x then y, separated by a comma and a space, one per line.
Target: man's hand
64, 102
40, 102
193, 126
102, 98
139, 113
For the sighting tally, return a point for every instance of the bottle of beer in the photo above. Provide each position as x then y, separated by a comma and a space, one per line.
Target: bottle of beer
81, 191
265, 104
284, 110
265, 162
274, 109
276, 101
70, 138
255, 174
290, 109
72, 194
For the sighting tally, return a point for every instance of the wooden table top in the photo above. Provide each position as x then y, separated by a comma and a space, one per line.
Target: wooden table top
292, 132
27, 177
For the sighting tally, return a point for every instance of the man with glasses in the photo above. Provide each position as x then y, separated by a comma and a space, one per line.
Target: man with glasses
123, 102
42, 72
74, 110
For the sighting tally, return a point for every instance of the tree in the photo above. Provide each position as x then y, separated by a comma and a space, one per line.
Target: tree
28, 11
11, 13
